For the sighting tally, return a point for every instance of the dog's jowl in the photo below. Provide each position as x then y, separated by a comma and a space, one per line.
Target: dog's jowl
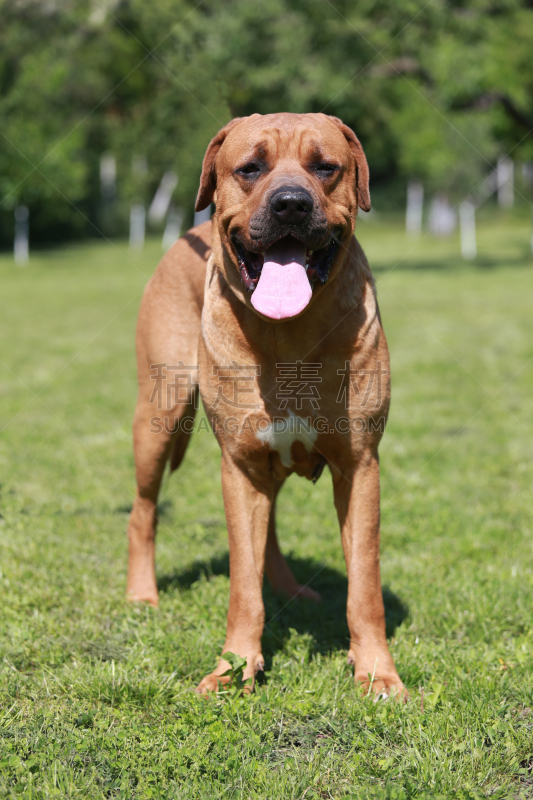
270, 313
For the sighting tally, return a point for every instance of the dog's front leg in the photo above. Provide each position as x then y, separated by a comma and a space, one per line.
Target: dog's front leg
247, 504
357, 501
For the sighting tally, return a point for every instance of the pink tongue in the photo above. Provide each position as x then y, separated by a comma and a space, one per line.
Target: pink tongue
283, 289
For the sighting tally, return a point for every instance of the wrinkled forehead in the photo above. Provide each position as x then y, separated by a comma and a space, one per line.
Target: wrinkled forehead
283, 136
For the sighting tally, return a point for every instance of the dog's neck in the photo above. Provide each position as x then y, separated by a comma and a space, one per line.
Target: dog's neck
342, 312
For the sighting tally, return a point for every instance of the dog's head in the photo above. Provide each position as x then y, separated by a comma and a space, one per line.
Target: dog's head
287, 188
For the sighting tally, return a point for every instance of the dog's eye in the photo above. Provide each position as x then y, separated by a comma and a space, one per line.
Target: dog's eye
250, 170
325, 170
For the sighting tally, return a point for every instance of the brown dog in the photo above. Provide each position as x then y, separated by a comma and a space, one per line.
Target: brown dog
276, 304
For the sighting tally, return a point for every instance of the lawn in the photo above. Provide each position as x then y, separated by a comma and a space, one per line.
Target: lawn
96, 695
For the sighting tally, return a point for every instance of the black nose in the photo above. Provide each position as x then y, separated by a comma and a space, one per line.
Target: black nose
291, 205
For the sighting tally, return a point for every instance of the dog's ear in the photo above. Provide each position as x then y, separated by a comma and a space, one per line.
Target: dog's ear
362, 173
208, 178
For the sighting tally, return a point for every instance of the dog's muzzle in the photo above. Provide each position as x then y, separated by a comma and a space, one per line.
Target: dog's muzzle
289, 249
291, 206
282, 278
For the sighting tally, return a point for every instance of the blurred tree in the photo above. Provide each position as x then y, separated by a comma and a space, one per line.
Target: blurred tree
435, 91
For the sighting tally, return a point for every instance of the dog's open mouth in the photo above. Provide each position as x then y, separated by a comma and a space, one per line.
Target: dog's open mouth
282, 278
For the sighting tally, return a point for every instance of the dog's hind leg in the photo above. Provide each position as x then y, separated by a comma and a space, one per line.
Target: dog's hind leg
167, 345
155, 441
152, 449
277, 570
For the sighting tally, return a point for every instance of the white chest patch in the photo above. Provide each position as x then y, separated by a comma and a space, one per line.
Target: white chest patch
281, 434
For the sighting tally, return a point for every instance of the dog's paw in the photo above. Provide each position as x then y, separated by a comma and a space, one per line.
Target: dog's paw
382, 688
379, 685
150, 597
216, 681
295, 591
308, 593
211, 683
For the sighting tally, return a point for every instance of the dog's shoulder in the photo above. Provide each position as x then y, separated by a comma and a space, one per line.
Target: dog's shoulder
180, 274
357, 281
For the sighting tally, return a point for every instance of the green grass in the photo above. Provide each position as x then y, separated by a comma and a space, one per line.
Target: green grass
96, 695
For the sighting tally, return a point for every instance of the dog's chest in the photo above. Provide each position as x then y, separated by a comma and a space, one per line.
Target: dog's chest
290, 436
274, 409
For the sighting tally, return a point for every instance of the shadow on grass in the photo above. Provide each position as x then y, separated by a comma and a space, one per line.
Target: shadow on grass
325, 621
482, 262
